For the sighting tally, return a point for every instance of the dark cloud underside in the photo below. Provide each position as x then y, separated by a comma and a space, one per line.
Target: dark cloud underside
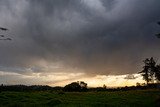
95, 36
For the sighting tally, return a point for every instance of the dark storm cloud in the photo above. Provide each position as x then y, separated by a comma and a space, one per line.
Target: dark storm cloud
96, 36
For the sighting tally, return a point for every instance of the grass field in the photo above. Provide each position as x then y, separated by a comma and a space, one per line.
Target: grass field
140, 98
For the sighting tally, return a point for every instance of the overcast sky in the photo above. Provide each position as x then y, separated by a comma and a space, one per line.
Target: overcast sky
75, 37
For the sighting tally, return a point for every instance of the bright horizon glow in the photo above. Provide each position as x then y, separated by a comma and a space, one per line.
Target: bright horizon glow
62, 79
109, 81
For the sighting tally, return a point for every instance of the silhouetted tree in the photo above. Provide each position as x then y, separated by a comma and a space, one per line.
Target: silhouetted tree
76, 86
145, 72
157, 73
150, 71
138, 84
83, 85
104, 86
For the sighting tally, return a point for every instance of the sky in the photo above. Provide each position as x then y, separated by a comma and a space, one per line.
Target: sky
55, 42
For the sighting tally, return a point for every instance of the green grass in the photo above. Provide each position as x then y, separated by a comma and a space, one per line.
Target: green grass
141, 98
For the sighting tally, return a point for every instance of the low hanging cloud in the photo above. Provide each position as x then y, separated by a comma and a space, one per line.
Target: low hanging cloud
87, 36
130, 77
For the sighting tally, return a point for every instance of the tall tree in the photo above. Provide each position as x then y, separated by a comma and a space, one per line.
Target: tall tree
157, 73
145, 71
148, 70
151, 71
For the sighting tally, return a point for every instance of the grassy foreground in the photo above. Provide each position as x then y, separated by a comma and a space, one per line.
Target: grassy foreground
134, 98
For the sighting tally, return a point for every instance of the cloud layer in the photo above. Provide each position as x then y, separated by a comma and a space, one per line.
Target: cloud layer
78, 36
